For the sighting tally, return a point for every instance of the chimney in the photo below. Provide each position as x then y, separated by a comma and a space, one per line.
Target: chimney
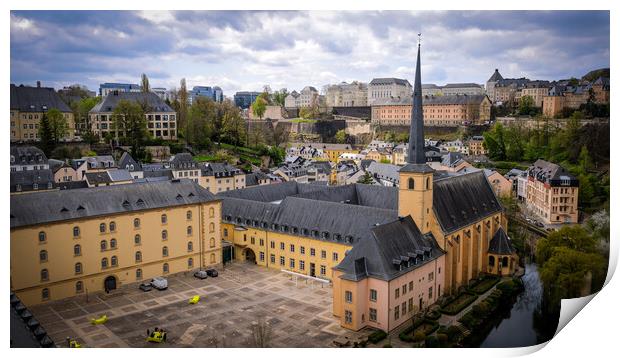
38, 84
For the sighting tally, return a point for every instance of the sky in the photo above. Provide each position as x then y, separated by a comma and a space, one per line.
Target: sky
246, 50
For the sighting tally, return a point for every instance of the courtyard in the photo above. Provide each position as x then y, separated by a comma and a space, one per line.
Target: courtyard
298, 313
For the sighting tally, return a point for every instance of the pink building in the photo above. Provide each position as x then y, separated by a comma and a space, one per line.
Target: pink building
388, 277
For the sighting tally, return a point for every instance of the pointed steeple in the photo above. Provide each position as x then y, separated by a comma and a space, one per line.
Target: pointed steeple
416, 157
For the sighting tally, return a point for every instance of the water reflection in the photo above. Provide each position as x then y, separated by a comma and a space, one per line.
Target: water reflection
526, 323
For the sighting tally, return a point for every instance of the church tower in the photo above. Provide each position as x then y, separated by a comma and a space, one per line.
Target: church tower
415, 194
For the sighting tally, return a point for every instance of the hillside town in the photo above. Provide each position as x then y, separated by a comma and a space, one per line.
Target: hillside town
384, 212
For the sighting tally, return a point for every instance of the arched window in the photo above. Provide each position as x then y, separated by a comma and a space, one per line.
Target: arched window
137, 239
411, 183
114, 261
491, 261
166, 268
43, 255
138, 274
164, 234
211, 212
138, 256
45, 275
164, 218
76, 231
42, 236
77, 250
211, 227
212, 242
102, 227
212, 258
190, 262
428, 183
104, 262
190, 246
504, 261
112, 226
78, 268
45, 294
113, 244
188, 214
164, 251
79, 287
189, 230
136, 223
104, 245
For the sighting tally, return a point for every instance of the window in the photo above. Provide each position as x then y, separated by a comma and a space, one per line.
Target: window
411, 184
491, 261
302, 250
252, 240
136, 223
76, 231
302, 265
292, 263
430, 293
43, 255
262, 242
104, 245
272, 258
411, 305
137, 239
226, 233
404, 288
138, 274
292, 248
281, 246
104, 263
348, 317
372, 315
45, 294
211, 227
323, 270
212, 258
166, 268
164, 218
114, 261
373, 295
189, 231
102, 227
164, 251
261, 256
211, 212
397, 293
323, 254
77, 250
410, 286
45, 275
79, 287
138, 256
403, 308
190, 246
312, 252
428, 183
113, 244
78, 268
112, 226
188, 215
42, 236
282, 261
272, 244
212, 242
335, 256
348, 296
164, 234
431, 276
396, 312
190, 262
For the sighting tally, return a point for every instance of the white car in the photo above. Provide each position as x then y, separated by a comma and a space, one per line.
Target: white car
159, 283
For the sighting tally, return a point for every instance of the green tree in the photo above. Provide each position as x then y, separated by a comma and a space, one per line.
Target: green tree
45, 135
365, 179
256, 135
259, 106
57, 124
183, 122
341, 136
128, 119
278, 97
144, 83
233, 127
494, 142
526, 105
201, 122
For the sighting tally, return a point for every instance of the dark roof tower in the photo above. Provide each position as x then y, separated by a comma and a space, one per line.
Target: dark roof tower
416, 158
495, 76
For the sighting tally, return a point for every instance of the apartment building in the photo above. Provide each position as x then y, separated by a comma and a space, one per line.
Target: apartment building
552, 193
388, 88
307, 97
537, 90
463, 89
354, 94
221, 177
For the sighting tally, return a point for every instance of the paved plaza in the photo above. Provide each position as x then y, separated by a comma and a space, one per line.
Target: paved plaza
298, 314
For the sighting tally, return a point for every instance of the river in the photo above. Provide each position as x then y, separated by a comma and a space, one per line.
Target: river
524, 325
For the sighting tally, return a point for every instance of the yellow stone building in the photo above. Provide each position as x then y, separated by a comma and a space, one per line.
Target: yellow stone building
73, 242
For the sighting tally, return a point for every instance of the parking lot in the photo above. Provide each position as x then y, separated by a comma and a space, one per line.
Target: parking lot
297, 314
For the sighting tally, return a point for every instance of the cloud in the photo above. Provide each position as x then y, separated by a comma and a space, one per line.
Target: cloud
244, 50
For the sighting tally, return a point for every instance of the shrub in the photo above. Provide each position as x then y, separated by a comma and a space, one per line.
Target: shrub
484, 284
442, 338
419, 336
433, 315
387, 345
458, 304
432, 342
453, 333
377, 336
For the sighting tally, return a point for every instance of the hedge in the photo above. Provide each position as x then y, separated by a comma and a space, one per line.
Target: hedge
433, 315
484, 285
459, 303
376, 336
407, 336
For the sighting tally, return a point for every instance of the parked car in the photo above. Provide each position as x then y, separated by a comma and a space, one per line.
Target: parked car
159, 283
201, 274
539, 224
212, 272
146, 287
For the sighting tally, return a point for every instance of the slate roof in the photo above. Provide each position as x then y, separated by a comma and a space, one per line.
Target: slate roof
156, 170
253, 178
27, 178
55, 164
451, 159
495, 77
501, 244
36, 99
546, 171
67, 185
220, 170
182, 161
462, 85
119, 175
392, 250
127, 162
384, 171
463, 199
98, 178
27, 155
389, 81
458, 99
52, 206
153, 102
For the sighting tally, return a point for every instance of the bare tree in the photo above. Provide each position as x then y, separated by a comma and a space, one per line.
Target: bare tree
261, 334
